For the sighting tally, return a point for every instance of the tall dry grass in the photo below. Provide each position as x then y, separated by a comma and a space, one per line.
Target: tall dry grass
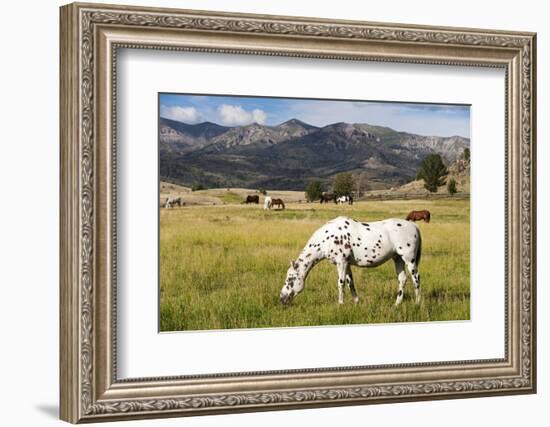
223, 267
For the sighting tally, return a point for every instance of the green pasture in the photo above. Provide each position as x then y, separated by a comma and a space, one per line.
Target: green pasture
222, 267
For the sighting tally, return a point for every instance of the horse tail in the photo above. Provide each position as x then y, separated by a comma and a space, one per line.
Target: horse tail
418, 249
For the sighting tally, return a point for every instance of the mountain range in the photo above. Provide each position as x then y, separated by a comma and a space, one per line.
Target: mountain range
287, 156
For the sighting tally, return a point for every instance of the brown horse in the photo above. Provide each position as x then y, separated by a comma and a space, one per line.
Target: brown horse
418, 215
327, 197
278, 202
252, 199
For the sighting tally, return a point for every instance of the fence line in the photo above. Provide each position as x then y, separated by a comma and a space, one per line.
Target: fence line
410, 196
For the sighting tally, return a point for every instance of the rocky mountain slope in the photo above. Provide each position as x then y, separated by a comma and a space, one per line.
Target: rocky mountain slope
287, 156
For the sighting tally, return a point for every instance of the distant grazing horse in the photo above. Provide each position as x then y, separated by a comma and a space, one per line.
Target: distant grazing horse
346, 242
172, 201
268, 201
344, 199
252, 199
278, 202
418, 215
327, 197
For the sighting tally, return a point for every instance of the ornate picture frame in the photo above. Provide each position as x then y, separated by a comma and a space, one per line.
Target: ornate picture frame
90, 37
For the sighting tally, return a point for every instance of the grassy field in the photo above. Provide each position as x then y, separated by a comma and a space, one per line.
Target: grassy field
222, 267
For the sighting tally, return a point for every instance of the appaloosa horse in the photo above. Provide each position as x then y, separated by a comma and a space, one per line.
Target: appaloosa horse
344, 199
418, 215
346, 242
172, 201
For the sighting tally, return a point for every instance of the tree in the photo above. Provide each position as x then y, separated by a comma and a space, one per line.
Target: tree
361, 183
313, 191
433, 171
197, 187
466, 154
343, 184
451, 186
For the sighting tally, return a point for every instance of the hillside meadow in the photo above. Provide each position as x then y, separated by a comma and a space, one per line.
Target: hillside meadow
222, 267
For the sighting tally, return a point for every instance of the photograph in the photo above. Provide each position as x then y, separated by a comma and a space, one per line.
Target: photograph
288, 208
289, 212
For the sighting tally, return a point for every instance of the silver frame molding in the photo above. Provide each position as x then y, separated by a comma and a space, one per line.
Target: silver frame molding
90, 37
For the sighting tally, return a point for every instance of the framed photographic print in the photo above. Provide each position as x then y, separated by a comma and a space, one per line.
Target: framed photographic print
266, 212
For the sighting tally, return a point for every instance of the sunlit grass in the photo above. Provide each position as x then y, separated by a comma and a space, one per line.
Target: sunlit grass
223, 267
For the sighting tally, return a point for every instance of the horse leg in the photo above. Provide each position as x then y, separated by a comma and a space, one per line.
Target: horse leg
401, 277
342, 267
351, 286
413, 270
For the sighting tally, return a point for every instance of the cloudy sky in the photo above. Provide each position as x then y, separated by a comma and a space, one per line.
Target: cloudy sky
422, 119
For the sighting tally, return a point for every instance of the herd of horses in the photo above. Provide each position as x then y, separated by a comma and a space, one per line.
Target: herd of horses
340, 200
276, 203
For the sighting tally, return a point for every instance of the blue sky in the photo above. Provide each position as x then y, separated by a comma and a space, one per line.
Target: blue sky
422, 119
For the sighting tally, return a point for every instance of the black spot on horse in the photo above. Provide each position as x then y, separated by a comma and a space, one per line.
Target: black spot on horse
400, 247
399, 224
340, 281
400, 292
326, 231
347, 222
339, 228
408, 244
412, 260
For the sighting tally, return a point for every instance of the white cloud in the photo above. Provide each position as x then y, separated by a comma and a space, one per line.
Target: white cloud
259, 116
181, 114
234, 115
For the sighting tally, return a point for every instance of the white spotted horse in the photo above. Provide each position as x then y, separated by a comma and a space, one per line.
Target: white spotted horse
346, 242
173, 201
344, 199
